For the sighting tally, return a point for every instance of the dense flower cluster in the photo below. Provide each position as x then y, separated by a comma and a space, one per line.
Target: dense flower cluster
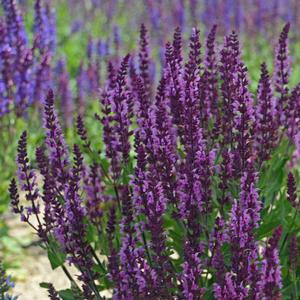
247, 15
173, 203
25, 68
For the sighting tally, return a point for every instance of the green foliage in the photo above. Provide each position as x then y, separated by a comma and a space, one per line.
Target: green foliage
55, 255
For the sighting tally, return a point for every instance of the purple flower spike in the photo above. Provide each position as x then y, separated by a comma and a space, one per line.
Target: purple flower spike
271, 282
191, 274
26, 176
266, 126
58, 152
82, 132
15, 198
245, 217
292, 190
28, 181
71, 228
52, 207
122, 107
53, 294
243, 121
174, 69
144, 58
162, 143
218, 237
230, 58
64, 93
109, 134
282, 73
210, 74
81, 89
95, 197
293, 114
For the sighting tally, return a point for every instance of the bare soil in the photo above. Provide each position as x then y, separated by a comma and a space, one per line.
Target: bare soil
34, 265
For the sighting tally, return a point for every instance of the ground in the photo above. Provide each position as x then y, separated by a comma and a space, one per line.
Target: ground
34, 266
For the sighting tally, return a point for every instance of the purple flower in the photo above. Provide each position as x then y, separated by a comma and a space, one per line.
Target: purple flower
5, 285
191, 275
139, 196
156, 206
81, 89
210, 74
113, 259
141, 108
94, 187
15, 198
292, 190
25, 72
27, 177
40, 27
53, 294
42, 79
64, 93
109, 133
121, 107
194, 181
91, 74
271, 281
50, 25
71, 228
24, 92
243, 121
244, 218
174, 68
282, 73
6, 78
230, 290
226, 173
217, 240
53, 208
82, 132
15, 24
56, 146
102, 49
162, 144
90, 48
292, 113
249, 197
135, 274
144, 59
178, 173
266, 126
117, 40
230, 58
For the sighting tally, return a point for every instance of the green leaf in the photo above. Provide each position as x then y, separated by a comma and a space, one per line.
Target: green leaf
44, 285
91, 233
56, 259
66, 294
55, 255
287, 291
104, 283
267, 228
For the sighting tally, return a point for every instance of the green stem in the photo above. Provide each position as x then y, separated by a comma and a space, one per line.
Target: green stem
295, 285
98, 260
287, 234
